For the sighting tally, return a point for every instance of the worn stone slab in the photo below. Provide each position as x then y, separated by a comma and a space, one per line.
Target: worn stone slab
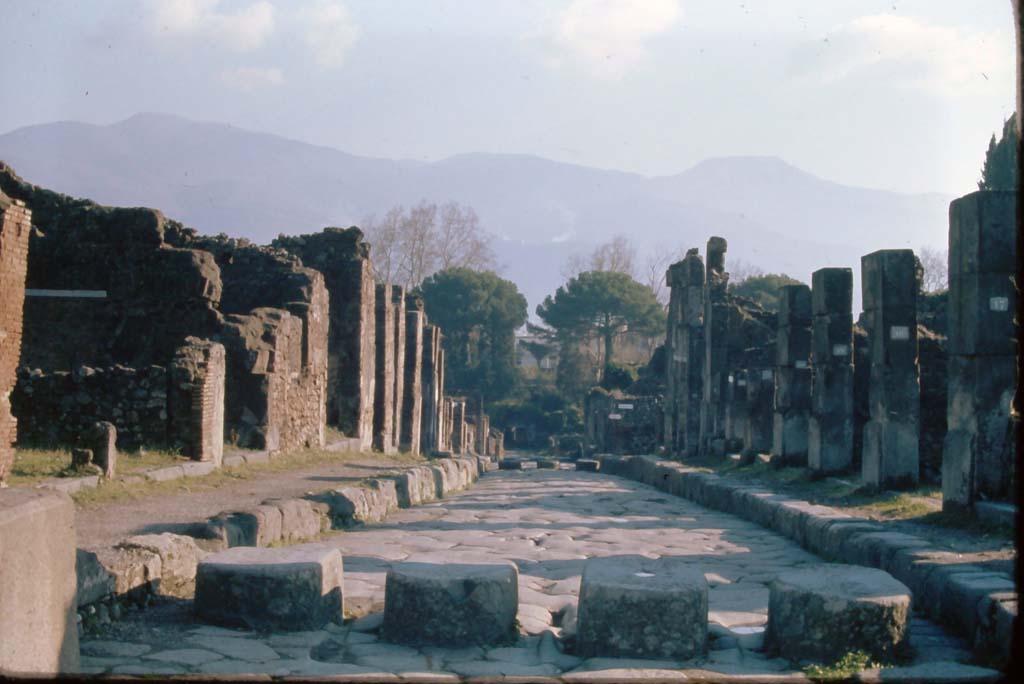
301, 519
288, 588
930, 673
179, 557
822, 612
632, 606
451, 604
37, 582
588, 465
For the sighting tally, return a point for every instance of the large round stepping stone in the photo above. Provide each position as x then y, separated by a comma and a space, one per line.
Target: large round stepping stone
824, 611
290, 588
451, 604
637, 607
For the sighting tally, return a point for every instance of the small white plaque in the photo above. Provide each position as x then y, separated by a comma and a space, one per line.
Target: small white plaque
766, 375
800, 363
840, 350
998, 303
899, 332
731, 380
644, 574
614, 416
741, 383
678, 358
626, 407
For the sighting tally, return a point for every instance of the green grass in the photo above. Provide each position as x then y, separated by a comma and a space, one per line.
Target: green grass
116, 490
32, 466
844, 668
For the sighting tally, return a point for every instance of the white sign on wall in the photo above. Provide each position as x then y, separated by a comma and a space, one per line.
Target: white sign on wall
766, 374
840, 350
999, 303
741, 383
627, 407
800, 363
614, 416
899, 332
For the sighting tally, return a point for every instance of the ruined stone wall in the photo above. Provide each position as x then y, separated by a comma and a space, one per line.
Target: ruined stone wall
458, 429
398, 300
979, 455
15, 226
56, 408
751, 329
684, 355
384, 392
716, 351
343, 258
758, 379
432, 400
620, 423
413, 400
830, 430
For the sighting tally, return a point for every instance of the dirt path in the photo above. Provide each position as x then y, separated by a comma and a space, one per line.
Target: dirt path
103, 525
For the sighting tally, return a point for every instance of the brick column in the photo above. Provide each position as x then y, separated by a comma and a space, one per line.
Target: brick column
978, 455
196, 400
15, 227
398, 300
830, 431
684, 355
891, 435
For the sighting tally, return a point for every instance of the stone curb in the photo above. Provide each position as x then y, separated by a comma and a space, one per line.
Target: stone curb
165, 564
969, 600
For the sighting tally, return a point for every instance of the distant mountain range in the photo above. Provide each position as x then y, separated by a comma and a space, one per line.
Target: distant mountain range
218, 178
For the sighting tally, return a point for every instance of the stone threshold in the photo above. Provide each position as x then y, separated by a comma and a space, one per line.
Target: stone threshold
143, 566
968, 599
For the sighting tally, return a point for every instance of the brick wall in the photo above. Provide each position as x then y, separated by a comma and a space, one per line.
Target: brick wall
15, 226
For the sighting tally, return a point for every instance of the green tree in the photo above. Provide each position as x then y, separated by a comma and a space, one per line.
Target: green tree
478, 312
763, 289
1000, 171
604, 304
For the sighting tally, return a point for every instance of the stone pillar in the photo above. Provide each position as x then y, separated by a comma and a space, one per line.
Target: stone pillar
38, 630
760, 394
413, 399
891, 435
384, 393
398, 300
792, 376
978, 455
684, 355
195, 400
715, 375
15, 227
736, 410
830, 430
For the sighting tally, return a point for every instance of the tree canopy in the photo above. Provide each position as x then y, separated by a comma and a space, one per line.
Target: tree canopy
602, 303
763, 288
1000, 171
479, 313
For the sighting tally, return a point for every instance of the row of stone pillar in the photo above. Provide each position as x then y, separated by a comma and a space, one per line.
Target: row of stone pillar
794, 395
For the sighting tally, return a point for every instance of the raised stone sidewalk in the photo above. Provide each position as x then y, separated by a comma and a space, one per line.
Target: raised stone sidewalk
976, 603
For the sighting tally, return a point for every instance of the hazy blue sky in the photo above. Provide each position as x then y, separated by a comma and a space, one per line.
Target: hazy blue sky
897, 94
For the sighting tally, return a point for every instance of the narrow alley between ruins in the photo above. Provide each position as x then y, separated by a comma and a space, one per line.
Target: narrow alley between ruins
547, 522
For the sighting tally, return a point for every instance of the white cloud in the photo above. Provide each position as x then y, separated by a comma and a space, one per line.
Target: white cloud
252, 78
329, 32
241, 29
944, 60
606, 37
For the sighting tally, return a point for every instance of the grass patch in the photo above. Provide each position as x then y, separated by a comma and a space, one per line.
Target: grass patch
118, 490
32, 465
844, 668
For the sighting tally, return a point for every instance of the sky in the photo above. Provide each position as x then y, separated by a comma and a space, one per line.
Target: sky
895, 95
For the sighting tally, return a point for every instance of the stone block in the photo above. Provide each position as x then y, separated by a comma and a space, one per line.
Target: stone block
831, 291
982, 233
588, 465
94, 581
415, 486
288, 588
387, 494
301, 520
179, 557
38, 633
256, 526
963, 594
632, 606
821, 613
794, 306
890, 455
832, 340
351, 506
198, 468
451, 604
981, 314
888, 280
993, 639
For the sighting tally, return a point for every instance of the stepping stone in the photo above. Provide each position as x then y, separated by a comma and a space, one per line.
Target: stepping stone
637, 607
290, 588
451, 604
822, 612
588, 465
547, 464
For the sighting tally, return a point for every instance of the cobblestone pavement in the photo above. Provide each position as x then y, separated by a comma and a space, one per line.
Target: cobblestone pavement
548, 523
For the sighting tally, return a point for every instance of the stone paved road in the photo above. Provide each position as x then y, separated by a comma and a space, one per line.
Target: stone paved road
548, 523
